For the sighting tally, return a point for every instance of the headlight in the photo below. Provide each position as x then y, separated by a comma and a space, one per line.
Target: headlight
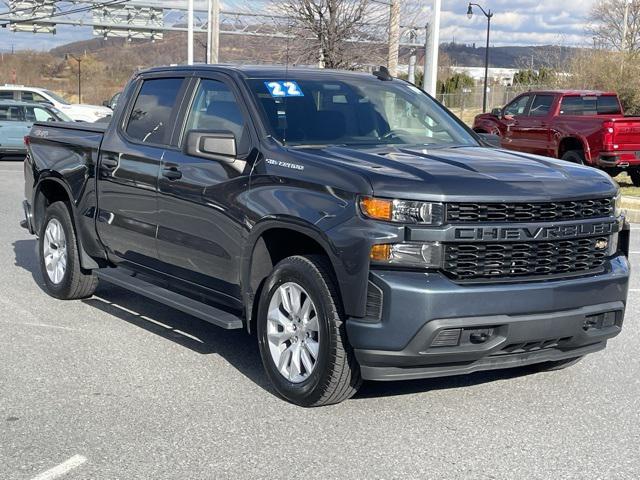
420, 255
402, 211
617, 205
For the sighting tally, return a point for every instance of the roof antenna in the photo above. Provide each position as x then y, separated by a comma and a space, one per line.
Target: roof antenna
383, 73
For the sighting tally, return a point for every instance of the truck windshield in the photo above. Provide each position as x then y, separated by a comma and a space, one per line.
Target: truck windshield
354, 111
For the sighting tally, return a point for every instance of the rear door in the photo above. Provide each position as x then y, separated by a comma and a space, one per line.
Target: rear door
130, 159
536, 127
514, 117
201, 223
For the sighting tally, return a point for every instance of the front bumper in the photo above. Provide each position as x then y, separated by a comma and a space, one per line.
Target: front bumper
524, 323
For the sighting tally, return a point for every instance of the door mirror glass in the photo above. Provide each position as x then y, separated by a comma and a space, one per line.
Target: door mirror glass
497, 112
216, 145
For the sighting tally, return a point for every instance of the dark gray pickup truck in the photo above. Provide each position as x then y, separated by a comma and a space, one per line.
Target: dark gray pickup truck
347, 219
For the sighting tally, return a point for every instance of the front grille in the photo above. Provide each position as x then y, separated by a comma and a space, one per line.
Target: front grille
529, 212
503, 261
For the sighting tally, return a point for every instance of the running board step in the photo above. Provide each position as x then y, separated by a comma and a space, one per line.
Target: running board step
200, 310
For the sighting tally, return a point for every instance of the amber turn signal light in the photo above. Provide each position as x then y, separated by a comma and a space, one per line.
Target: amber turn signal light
377, 208
380, 253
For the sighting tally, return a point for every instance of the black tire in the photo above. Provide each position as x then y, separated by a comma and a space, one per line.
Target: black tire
558, 365
574, 156
76, 282
635, 177
336, 376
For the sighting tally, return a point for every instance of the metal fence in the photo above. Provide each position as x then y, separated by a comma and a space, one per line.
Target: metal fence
467, 103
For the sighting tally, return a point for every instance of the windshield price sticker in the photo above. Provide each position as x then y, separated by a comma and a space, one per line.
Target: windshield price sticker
284, 88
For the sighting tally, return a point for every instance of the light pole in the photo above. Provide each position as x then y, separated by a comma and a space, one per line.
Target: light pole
488, 14
67, 57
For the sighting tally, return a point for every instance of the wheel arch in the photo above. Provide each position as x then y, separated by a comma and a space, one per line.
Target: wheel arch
51, 189
270, 242
569, 143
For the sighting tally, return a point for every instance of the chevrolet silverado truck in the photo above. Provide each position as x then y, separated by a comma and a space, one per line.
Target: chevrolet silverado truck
583, 127
348, 220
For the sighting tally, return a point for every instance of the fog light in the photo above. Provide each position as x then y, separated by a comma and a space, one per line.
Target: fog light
447, 338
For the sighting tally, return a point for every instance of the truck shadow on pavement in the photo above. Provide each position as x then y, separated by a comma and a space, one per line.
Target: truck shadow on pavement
235, 346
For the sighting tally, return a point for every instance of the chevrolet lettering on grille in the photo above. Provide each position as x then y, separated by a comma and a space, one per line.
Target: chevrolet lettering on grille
535, 233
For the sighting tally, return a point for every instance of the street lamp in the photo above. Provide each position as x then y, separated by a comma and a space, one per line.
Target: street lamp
488, 14
67, 57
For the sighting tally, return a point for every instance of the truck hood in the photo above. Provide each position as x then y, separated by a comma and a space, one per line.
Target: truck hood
85, 111
467, 173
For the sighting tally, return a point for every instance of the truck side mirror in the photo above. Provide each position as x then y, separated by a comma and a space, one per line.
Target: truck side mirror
497, 112
105, 103
491, 140
217, 145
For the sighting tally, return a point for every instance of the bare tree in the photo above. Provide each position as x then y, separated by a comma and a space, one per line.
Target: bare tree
327, 30
608, 25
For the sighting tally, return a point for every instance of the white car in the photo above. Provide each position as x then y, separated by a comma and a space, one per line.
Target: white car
78, 112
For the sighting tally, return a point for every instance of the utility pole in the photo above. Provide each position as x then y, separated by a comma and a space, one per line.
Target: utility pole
432, 49
70, 56
394, 37
213, 32
489, 16
190, 32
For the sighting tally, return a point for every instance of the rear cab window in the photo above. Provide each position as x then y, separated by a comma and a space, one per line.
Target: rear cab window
590, 105
152, 116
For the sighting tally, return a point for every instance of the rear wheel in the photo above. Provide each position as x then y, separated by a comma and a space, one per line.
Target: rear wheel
302, 336
635, 177
59, 258
574, 156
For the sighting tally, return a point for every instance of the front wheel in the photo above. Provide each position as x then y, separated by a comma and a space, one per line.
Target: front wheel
59, 259
302, 336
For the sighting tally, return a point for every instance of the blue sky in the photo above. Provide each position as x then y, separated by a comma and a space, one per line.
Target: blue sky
516, 22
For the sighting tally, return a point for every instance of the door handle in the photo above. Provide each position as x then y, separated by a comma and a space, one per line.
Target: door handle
110, 162
172, 173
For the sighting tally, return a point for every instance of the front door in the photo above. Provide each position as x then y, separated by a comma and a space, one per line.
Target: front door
128, 171
201, 223
515, 119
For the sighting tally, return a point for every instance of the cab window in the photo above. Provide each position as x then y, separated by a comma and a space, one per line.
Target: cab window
150, 120
215, 108
541, 105
517, 107
33, 97
38, 114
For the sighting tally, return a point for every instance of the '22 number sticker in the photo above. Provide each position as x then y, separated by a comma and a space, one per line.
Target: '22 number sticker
284, 88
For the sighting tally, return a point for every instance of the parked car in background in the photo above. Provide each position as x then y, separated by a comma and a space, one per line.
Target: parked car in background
78, 112
16, 119
585, 127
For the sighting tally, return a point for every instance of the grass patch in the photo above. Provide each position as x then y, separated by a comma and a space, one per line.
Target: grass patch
626, 186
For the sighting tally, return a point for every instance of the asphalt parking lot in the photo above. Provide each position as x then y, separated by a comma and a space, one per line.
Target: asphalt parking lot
119, 387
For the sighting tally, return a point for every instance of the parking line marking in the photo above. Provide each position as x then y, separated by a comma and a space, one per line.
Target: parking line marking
634, 289
62, 469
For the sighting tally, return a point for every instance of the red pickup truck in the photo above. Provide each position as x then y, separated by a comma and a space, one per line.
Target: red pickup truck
580, 126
